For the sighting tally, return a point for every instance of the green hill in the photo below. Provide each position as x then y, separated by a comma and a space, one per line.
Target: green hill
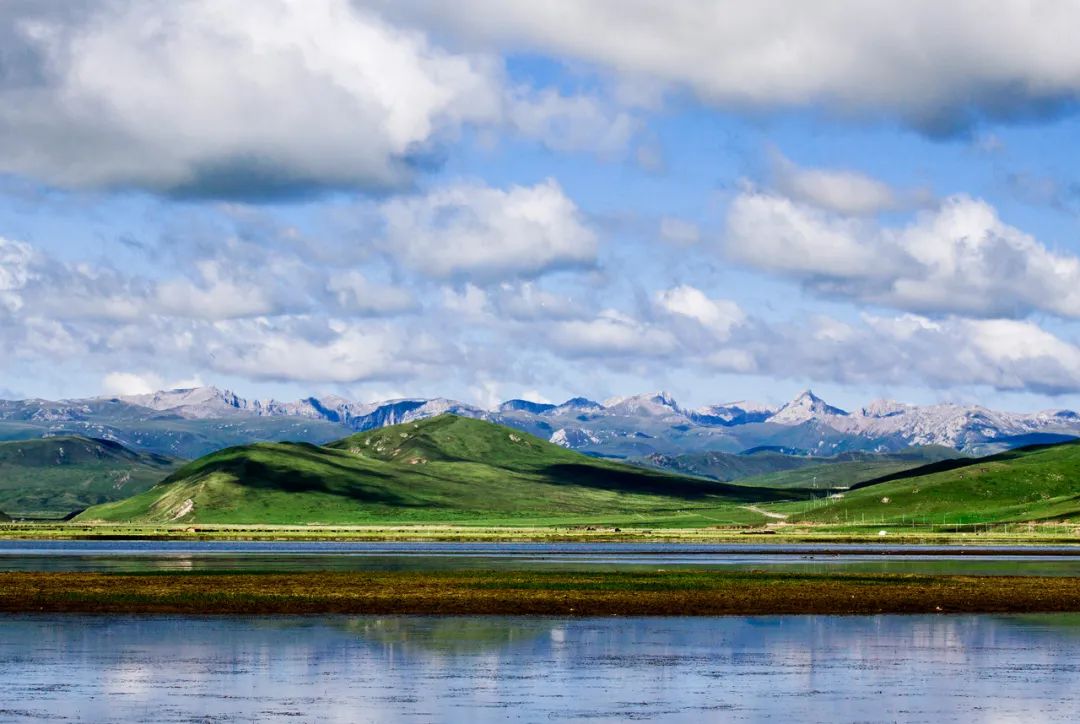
53, 477
4, 518
1027, 484
771, 469
444, 469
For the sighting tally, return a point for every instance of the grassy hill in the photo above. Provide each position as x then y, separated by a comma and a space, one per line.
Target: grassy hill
53, 477
773, 469
1027, 484
444, 469
4, 518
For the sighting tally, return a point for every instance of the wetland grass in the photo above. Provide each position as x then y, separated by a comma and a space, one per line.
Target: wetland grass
661, 593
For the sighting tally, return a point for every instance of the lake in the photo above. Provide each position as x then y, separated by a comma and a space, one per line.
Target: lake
777, 668
140, 556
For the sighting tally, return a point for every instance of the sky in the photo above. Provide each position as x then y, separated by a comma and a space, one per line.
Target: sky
491, 199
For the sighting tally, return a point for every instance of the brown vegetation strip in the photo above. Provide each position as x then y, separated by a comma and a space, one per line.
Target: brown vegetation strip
584, 594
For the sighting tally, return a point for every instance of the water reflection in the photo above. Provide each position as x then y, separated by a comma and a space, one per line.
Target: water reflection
888, 668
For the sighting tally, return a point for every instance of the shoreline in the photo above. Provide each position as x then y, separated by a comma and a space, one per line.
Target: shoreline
660, 593
780, 534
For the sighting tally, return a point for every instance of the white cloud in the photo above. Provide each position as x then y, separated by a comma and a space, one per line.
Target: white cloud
469, 301
487, 234
958, 258
840, 190
719, 316
525, 301
939, 66
1002, 353
570, 123
130, 383
332, 351
15, 260
611, 334
353, 292
775, 233
232, 98
217, 294
253, 100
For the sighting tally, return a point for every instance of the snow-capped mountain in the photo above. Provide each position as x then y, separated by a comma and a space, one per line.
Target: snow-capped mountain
807, 406
654, 404
191, 421
195, 403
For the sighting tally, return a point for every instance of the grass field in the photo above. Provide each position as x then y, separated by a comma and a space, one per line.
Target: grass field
679, 593
1020, 486
446, 469
1034, 534
53, 477
777, 470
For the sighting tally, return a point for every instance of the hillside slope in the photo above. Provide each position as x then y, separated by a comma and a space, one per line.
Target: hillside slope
1027, 484
55, 476
446, 468
773, 469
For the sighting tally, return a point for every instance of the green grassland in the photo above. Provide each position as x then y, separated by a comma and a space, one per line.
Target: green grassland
772, 469
446, 469
455, 478
53, 477
843, 472
1033, 484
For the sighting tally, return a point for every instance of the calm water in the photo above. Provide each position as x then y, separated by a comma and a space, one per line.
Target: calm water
787, 668
119, 556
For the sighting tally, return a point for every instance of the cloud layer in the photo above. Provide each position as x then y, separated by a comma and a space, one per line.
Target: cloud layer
937, 66
233, 99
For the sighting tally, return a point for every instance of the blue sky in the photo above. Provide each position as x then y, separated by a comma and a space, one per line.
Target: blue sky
596, 198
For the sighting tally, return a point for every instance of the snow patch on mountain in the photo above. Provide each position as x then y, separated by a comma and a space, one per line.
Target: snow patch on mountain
193, 403
655, 404
807, 406
573, 438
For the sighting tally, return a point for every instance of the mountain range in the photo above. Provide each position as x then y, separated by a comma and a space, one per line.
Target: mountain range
188, 423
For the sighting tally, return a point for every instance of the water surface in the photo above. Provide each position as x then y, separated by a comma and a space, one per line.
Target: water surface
138, 556
471, 670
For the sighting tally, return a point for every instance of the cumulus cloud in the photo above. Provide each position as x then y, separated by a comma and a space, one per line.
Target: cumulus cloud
957, 258
719, 316
231, 98
235, 99
907, 349
485, 234
130, 383
938, 66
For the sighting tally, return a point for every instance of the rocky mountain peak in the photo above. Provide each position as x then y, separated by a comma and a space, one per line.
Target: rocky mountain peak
806, 406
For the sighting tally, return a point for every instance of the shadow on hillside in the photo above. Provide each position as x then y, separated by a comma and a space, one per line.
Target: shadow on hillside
947, 465
631, 481
326, 476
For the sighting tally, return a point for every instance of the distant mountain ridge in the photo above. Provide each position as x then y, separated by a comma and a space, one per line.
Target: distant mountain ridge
191, 422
